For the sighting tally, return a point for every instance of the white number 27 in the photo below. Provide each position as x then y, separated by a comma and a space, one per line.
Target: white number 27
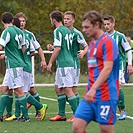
105, 110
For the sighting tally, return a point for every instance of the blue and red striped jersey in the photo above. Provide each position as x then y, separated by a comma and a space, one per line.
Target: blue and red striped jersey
105, 49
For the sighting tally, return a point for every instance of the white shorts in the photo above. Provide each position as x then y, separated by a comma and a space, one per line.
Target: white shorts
13, 78
64, 77
121, 77
76, 76
28, 81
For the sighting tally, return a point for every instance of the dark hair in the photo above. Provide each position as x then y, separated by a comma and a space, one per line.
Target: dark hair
16, 22
93, 16
70, 13
7, 17
109, 17
57, 15
20, 14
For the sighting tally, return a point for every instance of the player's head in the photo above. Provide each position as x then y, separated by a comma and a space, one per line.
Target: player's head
92, 23
69, 19
55, 17
7, 17
22, 18
16, 22
109, 23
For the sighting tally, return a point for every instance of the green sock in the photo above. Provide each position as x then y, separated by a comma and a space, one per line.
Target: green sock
3, 102
9, 105
121, 104
23, 106
61, 104
36, 96
73, 103
34, 102
78, 99
17, 107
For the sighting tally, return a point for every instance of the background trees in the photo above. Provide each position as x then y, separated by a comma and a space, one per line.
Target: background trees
37, 12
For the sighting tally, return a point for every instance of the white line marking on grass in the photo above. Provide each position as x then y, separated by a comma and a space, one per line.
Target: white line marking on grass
51, 99
126, 116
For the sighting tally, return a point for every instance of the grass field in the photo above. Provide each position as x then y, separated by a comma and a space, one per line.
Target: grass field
48, 96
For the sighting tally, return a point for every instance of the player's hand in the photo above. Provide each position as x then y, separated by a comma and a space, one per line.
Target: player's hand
44, 65
80, 54
129, 69
89, 96
2, 56
50, 47
49, 67
32, 54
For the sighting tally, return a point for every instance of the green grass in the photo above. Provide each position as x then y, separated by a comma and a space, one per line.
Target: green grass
48, 96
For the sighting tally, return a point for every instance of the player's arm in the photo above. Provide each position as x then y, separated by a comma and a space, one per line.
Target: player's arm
81, 53
43, 61
53, 58
108, 65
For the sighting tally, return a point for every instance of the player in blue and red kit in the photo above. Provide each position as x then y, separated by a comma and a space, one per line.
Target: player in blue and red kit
101, 97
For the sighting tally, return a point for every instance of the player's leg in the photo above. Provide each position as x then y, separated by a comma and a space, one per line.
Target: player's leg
121, 101
61, 99
106, 128
68, 83
83, 115
3, 101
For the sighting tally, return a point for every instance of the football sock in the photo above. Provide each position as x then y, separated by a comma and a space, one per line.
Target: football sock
61, 104
9, 105
3, 102
73, 103
36, 96
17, 107
34, 102
78, 99
121, 104
23, 106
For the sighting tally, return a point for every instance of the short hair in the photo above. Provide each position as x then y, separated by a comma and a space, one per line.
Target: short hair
70, 13
57, 15
109, 17
16, 22
20, 14
93, 16
7, 17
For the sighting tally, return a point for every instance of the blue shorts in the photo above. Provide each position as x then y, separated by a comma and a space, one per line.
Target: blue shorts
103, 112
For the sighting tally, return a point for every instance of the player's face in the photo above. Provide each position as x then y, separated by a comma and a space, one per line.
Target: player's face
68, 20
109, 26
88, 28
22, 23
52, 22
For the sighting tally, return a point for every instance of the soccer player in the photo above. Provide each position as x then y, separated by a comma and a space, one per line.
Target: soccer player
124, 48
27, 81
65, 65
12, 41
77, 41
21, 16
100, 100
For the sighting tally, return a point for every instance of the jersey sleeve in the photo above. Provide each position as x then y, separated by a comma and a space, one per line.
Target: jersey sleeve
125, 43
57, 38
81, 40
5, 38
35, 43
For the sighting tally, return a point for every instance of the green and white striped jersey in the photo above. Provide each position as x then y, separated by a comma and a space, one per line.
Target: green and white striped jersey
62, 36
12, 39
123, 47
29, 48
77, 41
32, 39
